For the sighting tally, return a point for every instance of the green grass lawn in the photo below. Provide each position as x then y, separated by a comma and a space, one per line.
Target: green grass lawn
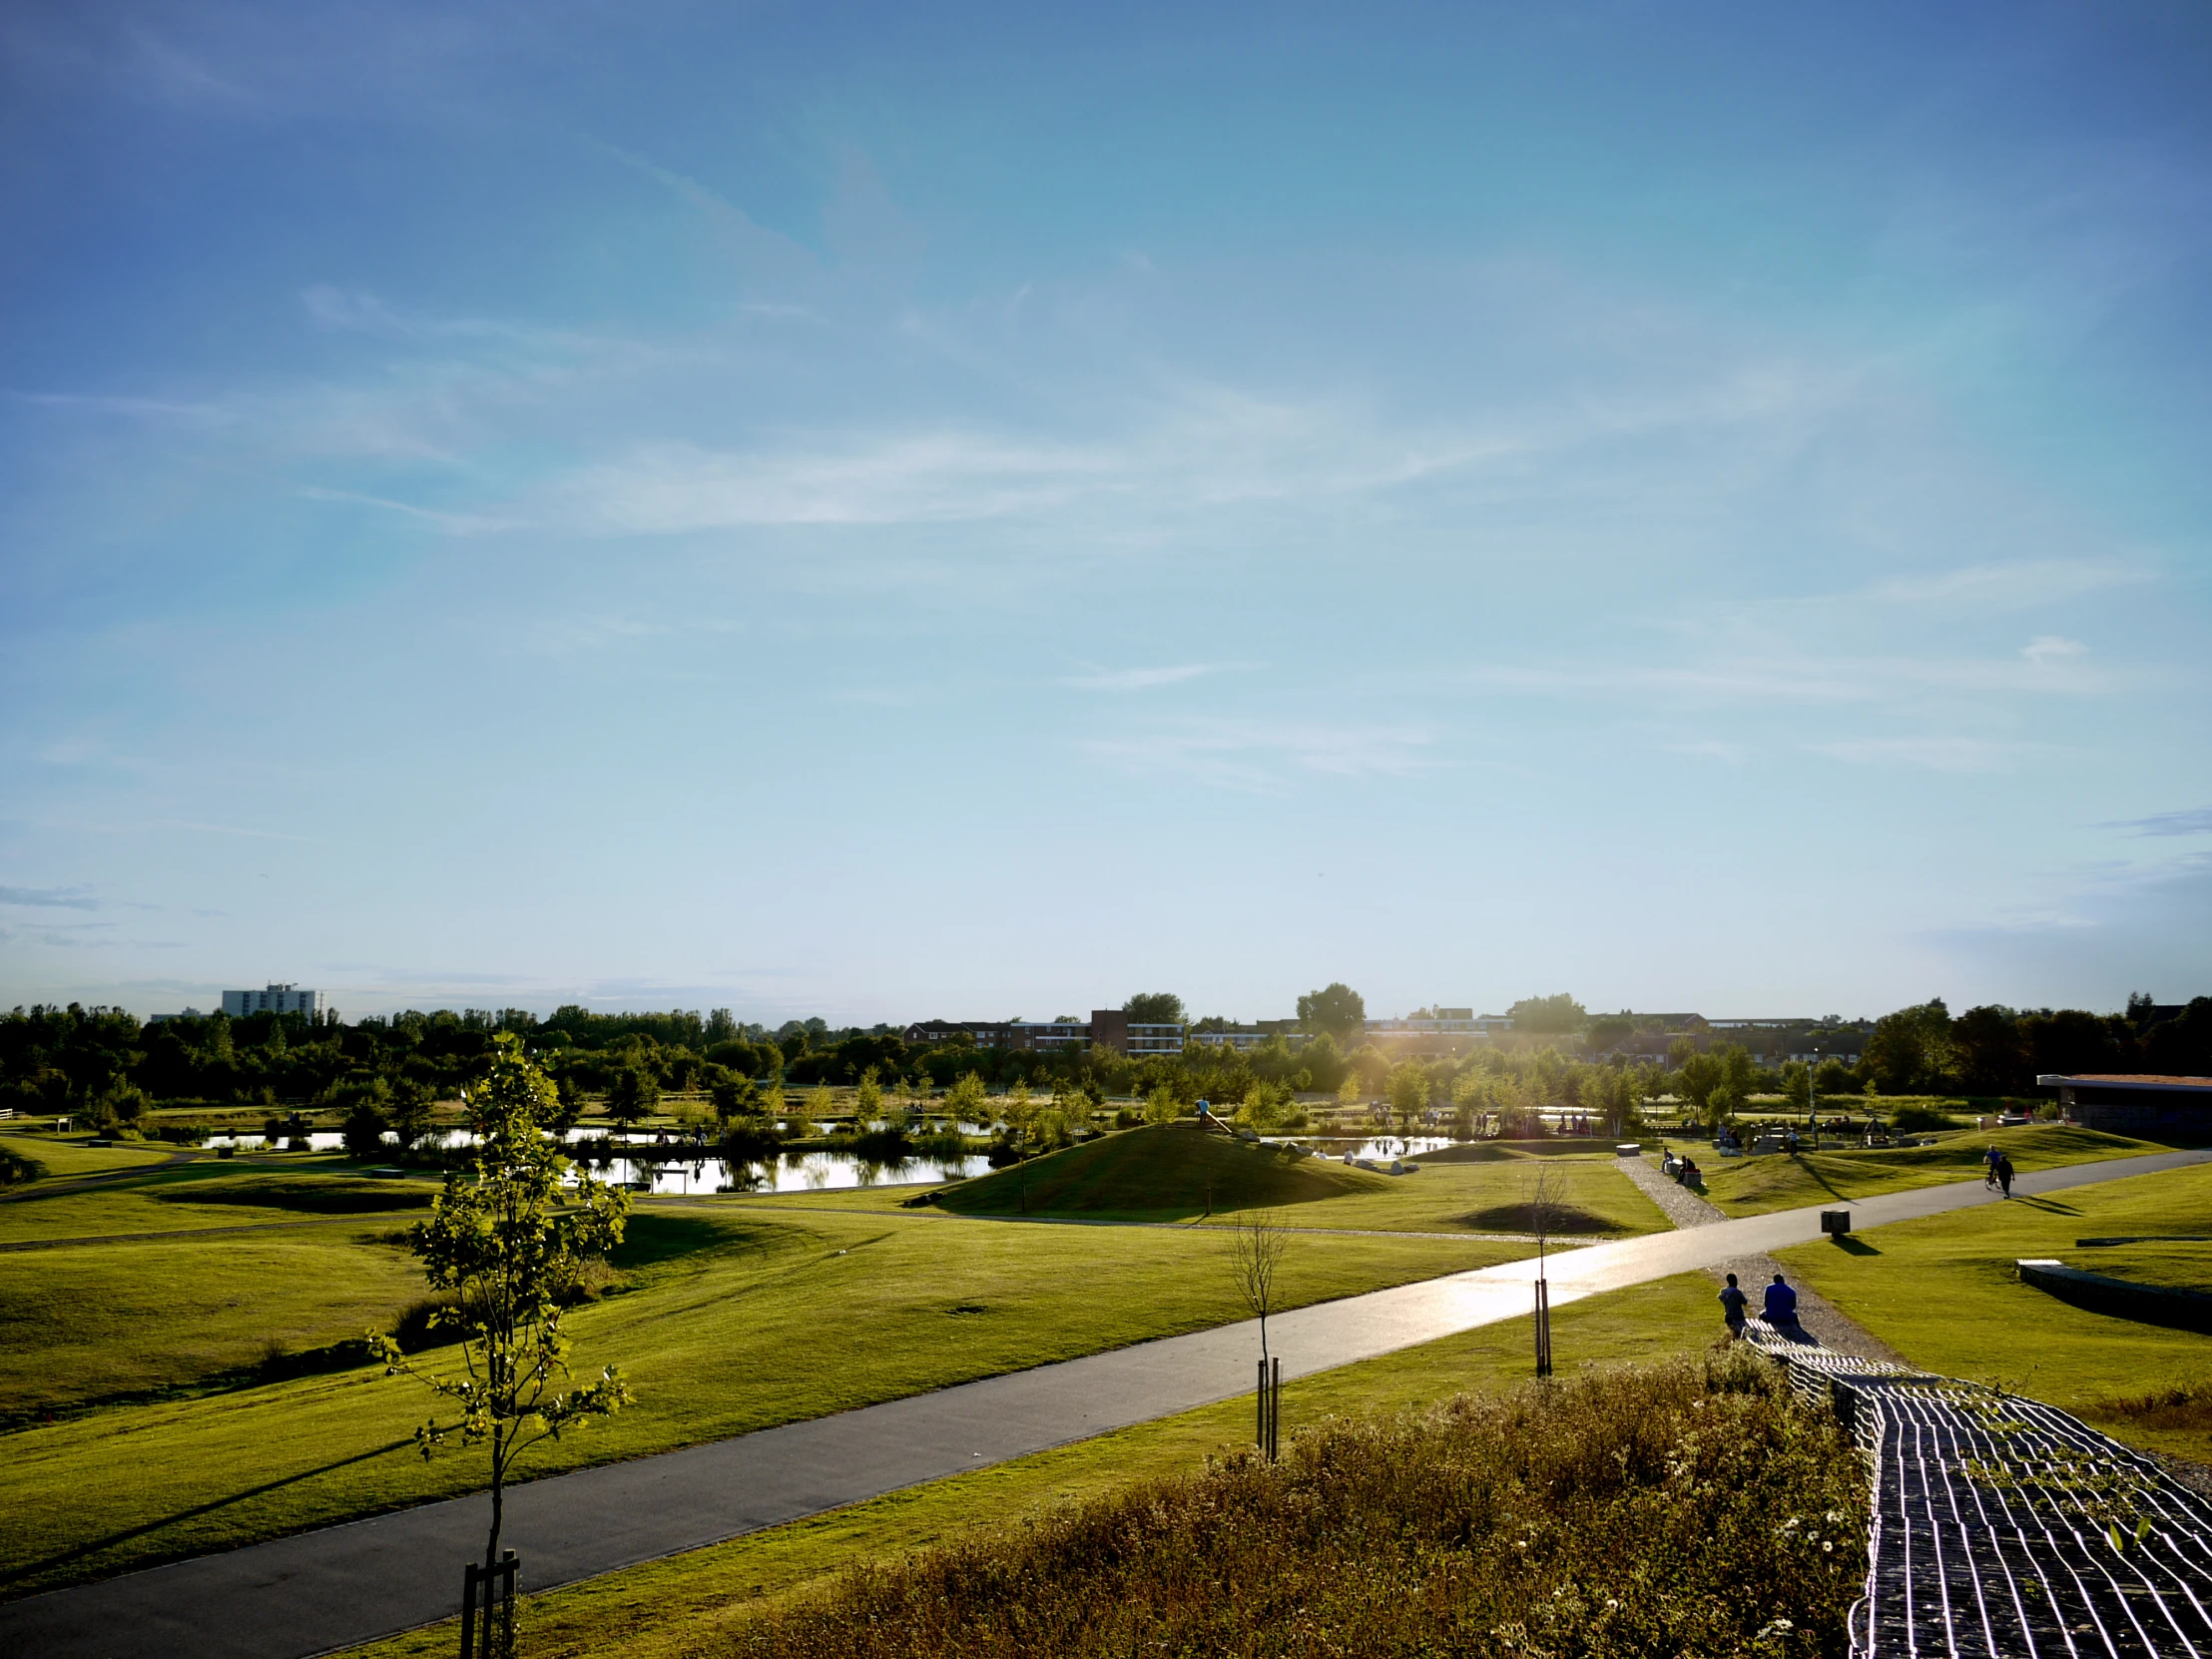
734, 1318
2181, 1267
1592, 1199
1161, 1172
97, 1322
678, 1606
63, 1159
1775, 1180
205, 1193
1176, 1173
1944, 1292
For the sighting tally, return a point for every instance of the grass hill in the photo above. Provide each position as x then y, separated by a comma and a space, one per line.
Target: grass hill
1775, 1180
1160, 1170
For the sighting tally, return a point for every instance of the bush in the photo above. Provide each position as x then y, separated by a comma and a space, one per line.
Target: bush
1920, 1120
1686, 1508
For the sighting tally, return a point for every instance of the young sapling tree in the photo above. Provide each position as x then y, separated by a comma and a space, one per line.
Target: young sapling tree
509, 1244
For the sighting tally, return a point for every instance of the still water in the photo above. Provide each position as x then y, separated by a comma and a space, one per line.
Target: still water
795, 1172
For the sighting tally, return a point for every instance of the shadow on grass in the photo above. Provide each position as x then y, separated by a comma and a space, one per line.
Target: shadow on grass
113, 1539
2051, 1206
1513, 1218
1854, 1247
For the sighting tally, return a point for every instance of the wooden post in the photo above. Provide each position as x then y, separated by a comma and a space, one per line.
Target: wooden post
468, 1611
1274, 1413
1543, 1327
1260, 1406
507, 1565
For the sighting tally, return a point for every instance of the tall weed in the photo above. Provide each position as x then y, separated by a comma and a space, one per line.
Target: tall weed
1686, 1509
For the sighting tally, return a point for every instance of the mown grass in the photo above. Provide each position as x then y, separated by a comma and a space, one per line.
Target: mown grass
1944, 1292
732, 1319
183, 1197
91, 1323
64, 1159
1177, 1174
1776, 1181
2178, 1266
1590, 1198
1163, 1172
690, 1603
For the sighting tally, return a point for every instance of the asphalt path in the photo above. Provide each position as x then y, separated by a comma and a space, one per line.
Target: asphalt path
328, 1589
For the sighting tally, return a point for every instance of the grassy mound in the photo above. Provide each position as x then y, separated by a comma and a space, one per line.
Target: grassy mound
1776, 1181
1160, 1170
310, 1194
1684, 1509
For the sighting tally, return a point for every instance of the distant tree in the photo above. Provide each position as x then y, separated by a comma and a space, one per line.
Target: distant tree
1256, 1241
633, 1095
509, 1246
964, 1100
1154, 1008
1797, 1085
1992, 1056
409, 1112
2182, 1046
1161, 1106
364, 1128
1018, 1109
821, 1104
772, 1100
1911, 1051
1608, 1032
734, 1097
1408, 1093
868, 1099
1347, 1092
1554, 1014
1335, 1008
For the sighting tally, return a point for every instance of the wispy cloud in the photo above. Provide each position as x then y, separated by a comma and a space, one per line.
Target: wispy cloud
1931, 754
2194, 821
1139, 679
454, 523
2026, 585
64, 898
1266, 755
135, 408
233, 829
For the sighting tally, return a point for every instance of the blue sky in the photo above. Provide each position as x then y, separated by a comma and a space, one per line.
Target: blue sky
975, 511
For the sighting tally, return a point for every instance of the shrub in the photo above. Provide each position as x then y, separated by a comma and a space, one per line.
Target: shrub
1922, 1119
1687, 1508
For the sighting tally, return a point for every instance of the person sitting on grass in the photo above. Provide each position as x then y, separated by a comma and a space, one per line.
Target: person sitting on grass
1780, 1309
1733, 1301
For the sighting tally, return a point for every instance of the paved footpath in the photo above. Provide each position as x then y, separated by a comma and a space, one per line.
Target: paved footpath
319, 1592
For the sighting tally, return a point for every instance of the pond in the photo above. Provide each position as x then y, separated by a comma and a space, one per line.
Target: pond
793, 1172
1382, 1148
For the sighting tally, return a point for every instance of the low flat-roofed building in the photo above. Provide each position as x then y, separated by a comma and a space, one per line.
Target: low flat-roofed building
1107, 1028
2134, 1103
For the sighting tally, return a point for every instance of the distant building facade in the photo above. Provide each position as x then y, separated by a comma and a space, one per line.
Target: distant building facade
274, 999
1106, 1028
1442, 1022
2134, 1104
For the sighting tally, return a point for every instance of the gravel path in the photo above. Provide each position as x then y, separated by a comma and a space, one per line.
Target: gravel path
1683, 1207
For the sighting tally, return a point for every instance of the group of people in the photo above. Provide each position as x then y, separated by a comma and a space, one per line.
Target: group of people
1780, 1310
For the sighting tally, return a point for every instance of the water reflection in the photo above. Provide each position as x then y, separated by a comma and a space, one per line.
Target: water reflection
793, 1172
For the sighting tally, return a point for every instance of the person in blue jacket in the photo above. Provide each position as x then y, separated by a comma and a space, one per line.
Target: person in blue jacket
1781, 1306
